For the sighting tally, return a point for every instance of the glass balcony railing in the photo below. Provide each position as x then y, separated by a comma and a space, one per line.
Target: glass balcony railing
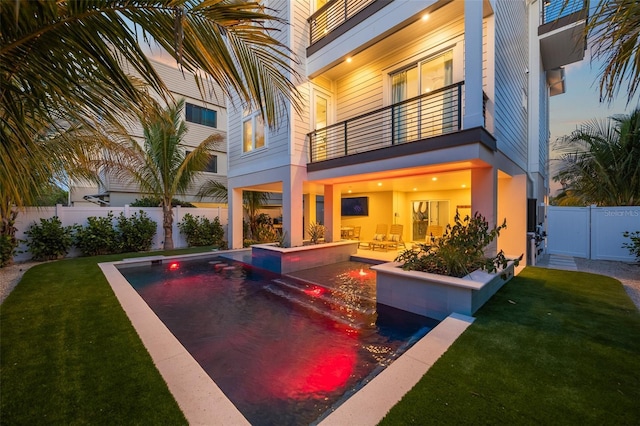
432, 114
332, 15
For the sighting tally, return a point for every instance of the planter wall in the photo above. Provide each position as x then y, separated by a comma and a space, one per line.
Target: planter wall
436, 296
285, 260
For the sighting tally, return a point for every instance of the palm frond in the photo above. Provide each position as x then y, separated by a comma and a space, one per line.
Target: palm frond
614, 34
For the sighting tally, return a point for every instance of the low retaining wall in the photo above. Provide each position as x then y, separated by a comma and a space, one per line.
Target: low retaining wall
436, 296
284, 260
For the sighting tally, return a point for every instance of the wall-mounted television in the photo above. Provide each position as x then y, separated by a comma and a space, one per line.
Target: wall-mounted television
355, 206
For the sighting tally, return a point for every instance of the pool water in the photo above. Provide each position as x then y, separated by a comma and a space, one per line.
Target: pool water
285, 350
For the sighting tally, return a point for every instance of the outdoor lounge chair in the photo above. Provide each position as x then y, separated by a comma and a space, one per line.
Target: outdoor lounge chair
434, 232
355, 235
395, 238
378, 237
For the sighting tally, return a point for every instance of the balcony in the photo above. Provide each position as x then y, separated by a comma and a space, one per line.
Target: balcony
337, 17
433, 114
561, 32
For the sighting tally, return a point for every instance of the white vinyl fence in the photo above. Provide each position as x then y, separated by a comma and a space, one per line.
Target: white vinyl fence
78, 215
591, 232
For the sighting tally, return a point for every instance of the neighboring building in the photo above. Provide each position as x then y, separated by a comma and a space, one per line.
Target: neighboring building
419, 108
202, 117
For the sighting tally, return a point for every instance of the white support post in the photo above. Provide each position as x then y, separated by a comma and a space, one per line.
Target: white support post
236, 214
292, 210
473, 101
332, 213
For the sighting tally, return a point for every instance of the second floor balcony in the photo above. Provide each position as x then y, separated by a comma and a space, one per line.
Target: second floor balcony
562, 32
338, 16
418, 119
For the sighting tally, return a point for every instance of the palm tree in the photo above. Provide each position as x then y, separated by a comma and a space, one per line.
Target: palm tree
252, 201
62, 65
601, 163
161, 165
614, 34
64, 62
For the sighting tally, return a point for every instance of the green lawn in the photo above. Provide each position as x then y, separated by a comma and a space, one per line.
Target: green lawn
551, 347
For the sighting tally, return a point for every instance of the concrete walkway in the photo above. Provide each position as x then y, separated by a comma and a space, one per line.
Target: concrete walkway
557, 261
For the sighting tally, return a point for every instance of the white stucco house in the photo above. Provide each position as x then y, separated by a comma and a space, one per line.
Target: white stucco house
413, 110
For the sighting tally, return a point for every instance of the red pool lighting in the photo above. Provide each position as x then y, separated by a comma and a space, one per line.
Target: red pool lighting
315, 291
358, 274
174, 266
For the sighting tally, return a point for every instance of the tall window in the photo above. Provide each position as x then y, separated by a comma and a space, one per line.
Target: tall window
199, 115
252, 131
425, 116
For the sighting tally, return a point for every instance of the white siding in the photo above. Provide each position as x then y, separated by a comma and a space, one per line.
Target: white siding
543, 122
511, 79
364, 89
278, 150
182, 86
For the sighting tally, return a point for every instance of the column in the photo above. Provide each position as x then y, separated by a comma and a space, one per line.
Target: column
332, 213
236, 214
484, 198
473, 64
292, 211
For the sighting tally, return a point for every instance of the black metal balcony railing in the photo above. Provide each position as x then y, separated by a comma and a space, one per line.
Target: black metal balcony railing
432, 114
552, 10
332, 15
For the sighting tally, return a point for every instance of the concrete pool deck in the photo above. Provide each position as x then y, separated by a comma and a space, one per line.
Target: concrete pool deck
202, 401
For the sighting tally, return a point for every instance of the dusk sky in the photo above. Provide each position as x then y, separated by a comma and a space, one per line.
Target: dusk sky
580, 102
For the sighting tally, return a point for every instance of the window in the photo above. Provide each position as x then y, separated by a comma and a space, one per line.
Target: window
252, 132
199, 115
212, 165
419, 114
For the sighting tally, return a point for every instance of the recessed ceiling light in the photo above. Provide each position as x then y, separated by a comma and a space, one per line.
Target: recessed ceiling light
464, 186
349, 60
349, 191
379, 183
434, 179
415, 189
425, 17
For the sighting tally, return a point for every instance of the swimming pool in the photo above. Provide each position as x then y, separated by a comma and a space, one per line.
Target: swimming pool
284, 350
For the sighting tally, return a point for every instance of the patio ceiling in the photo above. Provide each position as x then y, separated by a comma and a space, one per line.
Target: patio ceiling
401, 181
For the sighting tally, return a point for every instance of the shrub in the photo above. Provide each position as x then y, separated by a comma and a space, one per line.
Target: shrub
316, 232
264, 230
49, 240
98, 237
200, 231
155, 202
282, 239
8, 241
248, 242
8, 246
136, 232
634, 245
459, 251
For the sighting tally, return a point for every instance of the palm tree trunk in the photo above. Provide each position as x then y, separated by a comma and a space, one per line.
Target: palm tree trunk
167, 225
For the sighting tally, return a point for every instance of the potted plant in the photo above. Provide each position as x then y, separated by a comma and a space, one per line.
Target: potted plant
450, 274
460, 251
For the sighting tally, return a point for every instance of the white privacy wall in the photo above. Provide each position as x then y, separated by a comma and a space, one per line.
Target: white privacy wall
78, 216
591, 232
